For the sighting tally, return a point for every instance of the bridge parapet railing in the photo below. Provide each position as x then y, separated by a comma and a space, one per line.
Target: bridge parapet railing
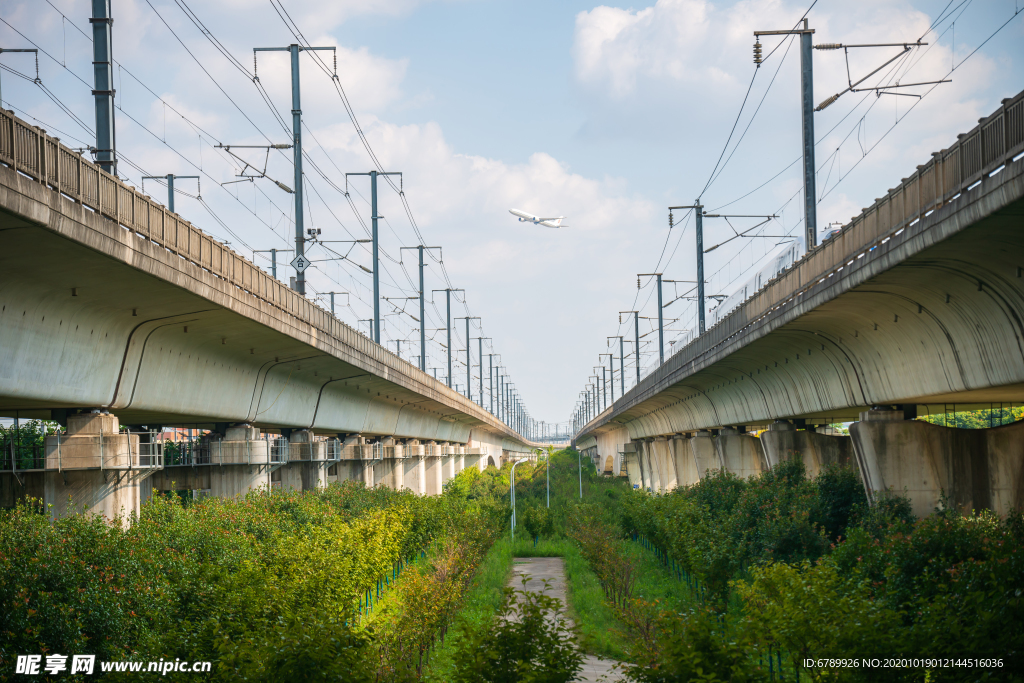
993, 143
114, 451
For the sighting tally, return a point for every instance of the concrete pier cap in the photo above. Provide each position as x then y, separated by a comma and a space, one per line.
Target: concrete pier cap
242, 432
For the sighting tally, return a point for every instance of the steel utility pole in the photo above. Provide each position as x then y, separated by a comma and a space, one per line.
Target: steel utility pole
332, 300
103, 78
469, 358
300, 235
376, 243
490, 363
448, 325
661, 322
423, 310
636, 347
170, 177
273, 258
480, 354
611, 371
807, 117
501, 395
699, 224
622, 368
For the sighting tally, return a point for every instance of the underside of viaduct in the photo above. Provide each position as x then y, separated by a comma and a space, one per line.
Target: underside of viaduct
115, 312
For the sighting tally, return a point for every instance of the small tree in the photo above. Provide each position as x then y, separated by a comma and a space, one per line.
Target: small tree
537, 521
529, 641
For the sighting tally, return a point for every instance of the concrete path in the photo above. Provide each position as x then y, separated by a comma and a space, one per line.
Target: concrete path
553, 568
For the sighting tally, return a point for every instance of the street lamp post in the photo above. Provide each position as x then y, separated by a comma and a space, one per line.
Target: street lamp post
512, 495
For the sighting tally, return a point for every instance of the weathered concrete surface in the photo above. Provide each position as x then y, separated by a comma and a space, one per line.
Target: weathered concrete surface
741, 454
782, 441
686, 464
975, 468
661, 458
705, 454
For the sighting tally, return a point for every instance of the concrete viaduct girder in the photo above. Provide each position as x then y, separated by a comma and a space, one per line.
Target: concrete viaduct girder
91, 315
110, 302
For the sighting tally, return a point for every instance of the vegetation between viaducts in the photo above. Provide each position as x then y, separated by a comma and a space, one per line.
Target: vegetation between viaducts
341, 584
727, 580
781, 569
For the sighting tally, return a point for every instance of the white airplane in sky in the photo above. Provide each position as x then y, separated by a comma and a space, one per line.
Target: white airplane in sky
555, 222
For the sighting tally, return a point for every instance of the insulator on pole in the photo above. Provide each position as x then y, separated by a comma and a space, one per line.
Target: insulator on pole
638, 283
828, 46
757, 53
827, 102
670, 221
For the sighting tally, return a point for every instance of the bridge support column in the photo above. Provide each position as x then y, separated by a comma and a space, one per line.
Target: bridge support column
705, 454
433, 464
665, 463
412, 466
303, 450
976, 468
647, 474
782, 441
686, 466
421, 475
740, 453
368, 474
399, 466
108, 488
238, 462
631, 453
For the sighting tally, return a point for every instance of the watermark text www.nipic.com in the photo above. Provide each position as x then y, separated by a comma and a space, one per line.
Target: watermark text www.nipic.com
35, 665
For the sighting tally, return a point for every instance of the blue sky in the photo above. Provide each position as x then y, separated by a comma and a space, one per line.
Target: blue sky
606, 114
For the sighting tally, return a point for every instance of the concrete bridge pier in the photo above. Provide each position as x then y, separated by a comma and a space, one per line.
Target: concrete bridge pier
661, 454
398, 477
740, 453
473, 458
94, 468
414, 476
705, 453
433, 467
686, 465
631, 453
783, 441
241, 458
311, 456
975, 468
648, 475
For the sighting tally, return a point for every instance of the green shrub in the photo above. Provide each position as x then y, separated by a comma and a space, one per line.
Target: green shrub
528, 641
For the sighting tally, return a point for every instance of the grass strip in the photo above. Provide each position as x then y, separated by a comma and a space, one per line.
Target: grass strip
600, 631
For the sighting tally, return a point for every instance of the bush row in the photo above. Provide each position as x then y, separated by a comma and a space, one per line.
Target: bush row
269, 587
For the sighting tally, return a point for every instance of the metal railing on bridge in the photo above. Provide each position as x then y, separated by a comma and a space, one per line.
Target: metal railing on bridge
124, 450
272, 450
